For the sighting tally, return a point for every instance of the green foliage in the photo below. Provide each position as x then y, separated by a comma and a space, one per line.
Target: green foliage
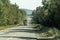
10, 14
48, 14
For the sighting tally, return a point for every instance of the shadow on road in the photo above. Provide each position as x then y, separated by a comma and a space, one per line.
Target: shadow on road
23, 30
18, 37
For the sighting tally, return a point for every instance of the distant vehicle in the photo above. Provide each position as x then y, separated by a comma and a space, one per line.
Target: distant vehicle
25, 22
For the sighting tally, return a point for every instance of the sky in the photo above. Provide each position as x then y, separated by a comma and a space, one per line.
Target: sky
27, 4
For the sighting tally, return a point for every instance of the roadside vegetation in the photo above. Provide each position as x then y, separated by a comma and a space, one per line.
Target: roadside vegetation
10, 14
48, 16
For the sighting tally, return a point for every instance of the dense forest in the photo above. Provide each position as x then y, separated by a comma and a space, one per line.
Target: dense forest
10, 14
48, 14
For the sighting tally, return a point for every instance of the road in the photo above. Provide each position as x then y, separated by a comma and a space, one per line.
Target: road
19, 33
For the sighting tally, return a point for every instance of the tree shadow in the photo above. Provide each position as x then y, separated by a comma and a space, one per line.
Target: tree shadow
19, 37
43, 29
22, 30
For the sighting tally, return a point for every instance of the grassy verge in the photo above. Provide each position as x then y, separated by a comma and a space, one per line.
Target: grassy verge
2, 28
48, 32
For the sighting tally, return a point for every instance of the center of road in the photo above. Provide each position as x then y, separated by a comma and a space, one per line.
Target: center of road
19, 33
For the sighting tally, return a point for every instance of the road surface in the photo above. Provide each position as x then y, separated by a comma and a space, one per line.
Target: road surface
19, 33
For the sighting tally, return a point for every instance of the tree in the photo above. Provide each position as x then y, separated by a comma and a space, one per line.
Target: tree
10, 14
48, 14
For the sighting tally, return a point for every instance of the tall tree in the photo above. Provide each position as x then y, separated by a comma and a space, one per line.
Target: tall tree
10, 14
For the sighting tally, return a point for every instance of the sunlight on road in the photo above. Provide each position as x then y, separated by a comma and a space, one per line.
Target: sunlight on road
20, 33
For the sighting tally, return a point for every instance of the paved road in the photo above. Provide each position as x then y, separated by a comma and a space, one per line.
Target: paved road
19, 33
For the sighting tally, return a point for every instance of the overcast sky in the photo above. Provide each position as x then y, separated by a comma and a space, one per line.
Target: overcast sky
27, 4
